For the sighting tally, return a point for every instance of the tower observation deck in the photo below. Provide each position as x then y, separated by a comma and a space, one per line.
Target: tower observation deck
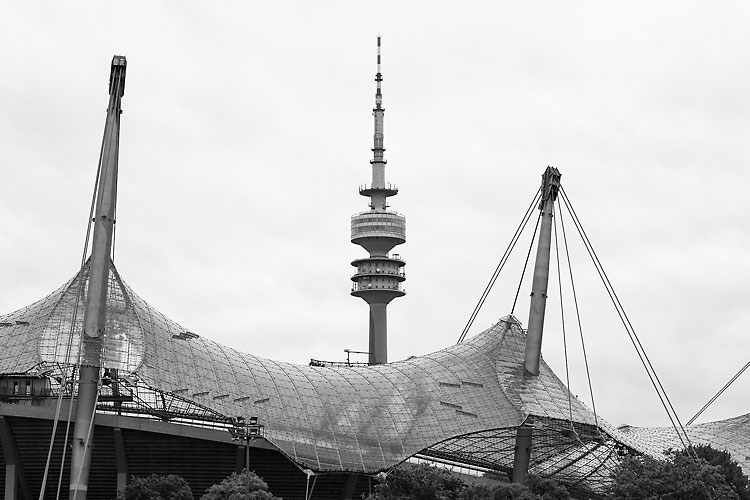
378, 278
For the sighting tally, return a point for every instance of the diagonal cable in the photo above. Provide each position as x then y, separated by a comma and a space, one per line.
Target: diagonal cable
640, 351
526, 263
562, 318
716, 396
499, 267
621, 314
69, 345
578, 317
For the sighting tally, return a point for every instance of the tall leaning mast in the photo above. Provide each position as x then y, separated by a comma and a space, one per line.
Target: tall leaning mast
378, 278
94, 318
533, 349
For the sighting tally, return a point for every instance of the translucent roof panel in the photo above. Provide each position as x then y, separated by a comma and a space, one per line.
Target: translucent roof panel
122, 344
461, 403
732, 435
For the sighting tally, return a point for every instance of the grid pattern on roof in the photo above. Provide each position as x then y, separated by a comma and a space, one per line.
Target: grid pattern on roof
732, 435
574, 454
365, 419
461, 404
122, 343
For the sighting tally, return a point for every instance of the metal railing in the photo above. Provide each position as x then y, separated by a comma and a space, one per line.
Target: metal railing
336, 364
383, 272
362, 287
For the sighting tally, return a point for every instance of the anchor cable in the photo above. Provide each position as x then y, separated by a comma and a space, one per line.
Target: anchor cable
501, 264
69, 345
640, 351
526, 263
578, 316
716, 396
562, 318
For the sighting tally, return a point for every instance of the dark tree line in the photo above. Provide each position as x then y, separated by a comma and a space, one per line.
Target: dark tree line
700, 473
423, 482
244, 486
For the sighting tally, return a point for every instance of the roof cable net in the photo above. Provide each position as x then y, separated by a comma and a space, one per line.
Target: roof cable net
365, 419
123, 338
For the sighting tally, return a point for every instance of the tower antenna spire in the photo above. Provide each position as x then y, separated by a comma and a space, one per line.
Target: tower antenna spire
378, 278
378, 80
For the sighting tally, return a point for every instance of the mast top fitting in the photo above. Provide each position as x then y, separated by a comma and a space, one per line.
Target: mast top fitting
550, 185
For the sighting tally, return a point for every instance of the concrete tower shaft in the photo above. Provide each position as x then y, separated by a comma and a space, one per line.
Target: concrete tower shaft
378, 278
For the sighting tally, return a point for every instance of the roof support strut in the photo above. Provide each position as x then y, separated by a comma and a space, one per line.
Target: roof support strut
522, 451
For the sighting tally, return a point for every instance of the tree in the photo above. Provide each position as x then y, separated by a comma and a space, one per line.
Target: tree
476, 492
678, 477
423, 482
513, 491
418, 482
244, 486
546, 488
536, 488
155, 487
727, 466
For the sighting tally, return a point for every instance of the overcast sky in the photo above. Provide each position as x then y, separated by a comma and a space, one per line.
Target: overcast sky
247, 129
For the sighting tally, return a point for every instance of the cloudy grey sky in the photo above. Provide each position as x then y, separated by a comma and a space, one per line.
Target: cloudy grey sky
246, 131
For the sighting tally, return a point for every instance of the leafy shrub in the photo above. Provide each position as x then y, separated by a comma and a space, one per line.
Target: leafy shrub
155, 487
244, 486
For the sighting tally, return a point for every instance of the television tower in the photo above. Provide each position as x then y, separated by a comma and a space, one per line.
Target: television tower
378, 278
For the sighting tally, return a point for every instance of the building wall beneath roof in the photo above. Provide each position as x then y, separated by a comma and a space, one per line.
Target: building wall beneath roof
202, 462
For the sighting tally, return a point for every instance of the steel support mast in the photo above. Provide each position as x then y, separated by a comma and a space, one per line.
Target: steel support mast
94, 319
533, 352
550, 188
